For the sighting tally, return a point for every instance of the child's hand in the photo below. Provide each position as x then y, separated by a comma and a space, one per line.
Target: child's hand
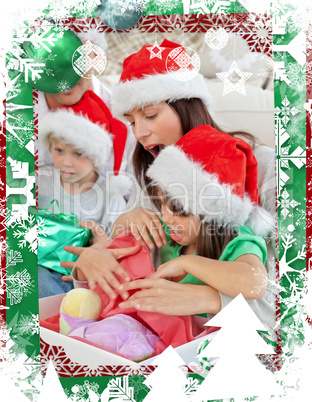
98, 234
99, 266
166, 297
142, 223
172, 269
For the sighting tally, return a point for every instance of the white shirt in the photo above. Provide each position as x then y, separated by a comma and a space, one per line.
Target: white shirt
96, 204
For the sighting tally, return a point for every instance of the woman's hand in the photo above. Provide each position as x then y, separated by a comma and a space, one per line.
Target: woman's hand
99, 266
170, 298
141, 222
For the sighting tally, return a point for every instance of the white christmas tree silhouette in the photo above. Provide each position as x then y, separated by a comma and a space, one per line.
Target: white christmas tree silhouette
167, 382
52, 389
238, 373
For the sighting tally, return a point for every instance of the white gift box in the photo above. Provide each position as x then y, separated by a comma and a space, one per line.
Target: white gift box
85, 354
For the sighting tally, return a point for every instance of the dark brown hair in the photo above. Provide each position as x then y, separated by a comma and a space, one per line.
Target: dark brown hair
212, 237
192, 113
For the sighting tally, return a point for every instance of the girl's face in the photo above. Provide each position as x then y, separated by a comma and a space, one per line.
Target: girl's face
155, 127
184, 229
73, 167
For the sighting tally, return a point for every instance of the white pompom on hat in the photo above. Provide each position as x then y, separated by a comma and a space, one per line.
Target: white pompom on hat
145, 81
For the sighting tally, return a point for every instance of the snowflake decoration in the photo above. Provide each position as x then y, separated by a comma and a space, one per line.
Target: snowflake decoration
155, 51
119, 388
297, 21
300, 218
19, 285
59, 11
63, 86
286, 204
131, 5
28, 324
191, 386
297, 75
165, 5
43, 231
234, 79
297, 129
137, 382
26, 232
81, 392
13, 257
19, 130
286, 112
309, 73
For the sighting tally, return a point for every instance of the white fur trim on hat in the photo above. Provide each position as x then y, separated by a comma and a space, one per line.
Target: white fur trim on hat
120, 185
196, 190
153, 89
91, 139
261, 222
95, 37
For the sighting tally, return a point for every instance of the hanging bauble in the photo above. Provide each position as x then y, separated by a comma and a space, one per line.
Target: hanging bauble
183, 63
120, 15
48, 54
216, 38
89, 60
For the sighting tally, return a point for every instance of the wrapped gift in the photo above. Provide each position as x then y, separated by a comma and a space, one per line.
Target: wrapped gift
56, 230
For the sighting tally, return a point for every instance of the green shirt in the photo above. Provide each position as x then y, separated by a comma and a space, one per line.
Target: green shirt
244, 243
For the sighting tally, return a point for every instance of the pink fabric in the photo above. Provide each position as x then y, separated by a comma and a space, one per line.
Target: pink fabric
172, 330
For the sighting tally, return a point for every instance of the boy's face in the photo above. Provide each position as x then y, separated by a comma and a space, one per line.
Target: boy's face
69, 161
184, 229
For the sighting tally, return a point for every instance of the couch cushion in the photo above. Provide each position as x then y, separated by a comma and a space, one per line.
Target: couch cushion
253, 113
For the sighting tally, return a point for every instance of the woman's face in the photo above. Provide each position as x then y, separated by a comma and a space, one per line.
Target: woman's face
155, 127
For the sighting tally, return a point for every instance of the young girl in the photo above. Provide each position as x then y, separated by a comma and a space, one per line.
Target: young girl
161, 110
209, 202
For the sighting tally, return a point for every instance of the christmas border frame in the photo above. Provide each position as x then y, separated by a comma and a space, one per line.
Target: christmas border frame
290, 161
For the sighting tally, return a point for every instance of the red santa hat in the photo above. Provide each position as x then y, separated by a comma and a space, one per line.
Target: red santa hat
90, 127
146, 80
213, 176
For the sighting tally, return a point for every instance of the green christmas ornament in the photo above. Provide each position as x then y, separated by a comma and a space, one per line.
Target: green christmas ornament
48, 54
120, 15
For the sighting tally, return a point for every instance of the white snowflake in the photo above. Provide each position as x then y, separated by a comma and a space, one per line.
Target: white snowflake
287, 242
13, 257
286, 203
26, 232
119, 389
286, 111
19, 285
81, 392
63, 86
28, 324
19, 130
43, 231
297, 75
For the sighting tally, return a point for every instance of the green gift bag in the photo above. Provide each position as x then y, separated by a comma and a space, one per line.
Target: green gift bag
56, 230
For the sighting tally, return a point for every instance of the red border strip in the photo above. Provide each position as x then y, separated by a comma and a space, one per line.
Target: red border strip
2, 219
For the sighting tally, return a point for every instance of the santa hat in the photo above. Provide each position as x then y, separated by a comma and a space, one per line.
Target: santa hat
145, 80
213, 176
90, 127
